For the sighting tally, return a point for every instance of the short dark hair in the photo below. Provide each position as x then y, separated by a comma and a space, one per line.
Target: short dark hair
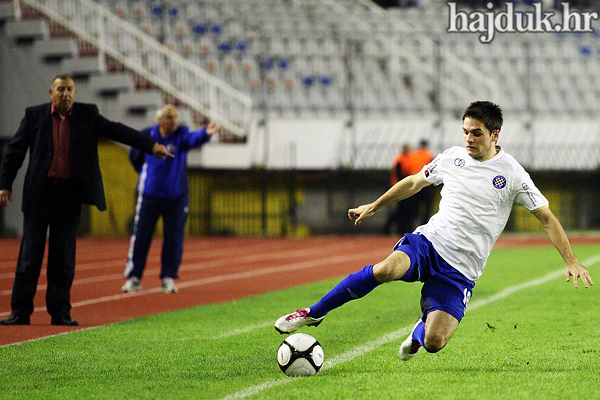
62, 77
487, 112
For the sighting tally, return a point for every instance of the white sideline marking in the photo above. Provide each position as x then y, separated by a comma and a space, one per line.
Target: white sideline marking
239, 331
400, 333
328, 364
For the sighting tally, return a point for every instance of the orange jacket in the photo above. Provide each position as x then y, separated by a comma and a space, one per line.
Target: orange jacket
400, 168
416, 160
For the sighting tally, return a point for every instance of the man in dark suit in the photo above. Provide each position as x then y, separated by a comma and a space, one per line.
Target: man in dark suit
63, 173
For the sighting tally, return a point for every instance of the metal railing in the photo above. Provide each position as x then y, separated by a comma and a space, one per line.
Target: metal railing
151, 60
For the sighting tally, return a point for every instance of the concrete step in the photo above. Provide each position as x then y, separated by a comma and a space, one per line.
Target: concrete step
27, 30
55, 50
83, 68
112, 84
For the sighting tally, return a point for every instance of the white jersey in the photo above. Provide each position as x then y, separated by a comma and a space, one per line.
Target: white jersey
477, 199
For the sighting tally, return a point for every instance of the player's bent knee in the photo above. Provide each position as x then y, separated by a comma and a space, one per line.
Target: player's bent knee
392, 268
439, 328
383, 272
435, 343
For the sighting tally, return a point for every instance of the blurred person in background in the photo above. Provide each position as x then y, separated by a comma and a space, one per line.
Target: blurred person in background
162, 190
415, 210
63, 173
403, 214
423, 199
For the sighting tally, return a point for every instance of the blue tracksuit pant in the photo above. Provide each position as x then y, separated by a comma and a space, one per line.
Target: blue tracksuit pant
148, 210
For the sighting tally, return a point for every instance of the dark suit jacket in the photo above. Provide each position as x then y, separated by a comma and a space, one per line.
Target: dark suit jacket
86, 127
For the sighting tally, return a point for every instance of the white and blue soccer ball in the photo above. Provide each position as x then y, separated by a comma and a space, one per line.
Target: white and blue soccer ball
300, 355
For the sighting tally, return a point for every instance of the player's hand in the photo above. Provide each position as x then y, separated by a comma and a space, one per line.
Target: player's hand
5, 197
212, 128
361, 212
161, 151
576, 271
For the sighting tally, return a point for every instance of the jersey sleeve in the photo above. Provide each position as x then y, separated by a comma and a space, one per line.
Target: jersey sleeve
528, 195
433, 171
192, 139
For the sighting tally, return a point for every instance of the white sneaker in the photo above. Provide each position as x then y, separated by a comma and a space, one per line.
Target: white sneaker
409, 348
133, 284
291, 322
168, 286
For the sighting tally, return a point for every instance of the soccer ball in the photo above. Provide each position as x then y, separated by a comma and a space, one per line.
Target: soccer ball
300, 355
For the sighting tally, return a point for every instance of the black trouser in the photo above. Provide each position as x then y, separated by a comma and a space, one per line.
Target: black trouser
404, 217
58, 214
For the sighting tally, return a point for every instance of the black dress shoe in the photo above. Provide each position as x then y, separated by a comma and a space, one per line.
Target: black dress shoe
64, 321
15, 320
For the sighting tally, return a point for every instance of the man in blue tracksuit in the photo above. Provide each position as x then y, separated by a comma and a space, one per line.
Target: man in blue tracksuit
162, 190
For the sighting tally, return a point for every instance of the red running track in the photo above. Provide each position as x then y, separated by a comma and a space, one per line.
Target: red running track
213, 270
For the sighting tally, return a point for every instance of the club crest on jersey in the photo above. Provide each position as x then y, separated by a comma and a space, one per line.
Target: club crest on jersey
499, 182
459, 162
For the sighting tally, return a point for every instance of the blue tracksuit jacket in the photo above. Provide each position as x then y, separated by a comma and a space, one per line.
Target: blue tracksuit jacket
166, 179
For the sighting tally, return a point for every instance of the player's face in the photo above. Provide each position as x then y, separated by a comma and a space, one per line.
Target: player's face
62, 94
169, 121
479, 141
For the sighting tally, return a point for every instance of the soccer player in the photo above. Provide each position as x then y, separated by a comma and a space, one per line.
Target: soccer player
448, 254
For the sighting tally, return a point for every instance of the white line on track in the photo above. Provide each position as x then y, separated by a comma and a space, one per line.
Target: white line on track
354, 257
299, 253
261, 252
400, 333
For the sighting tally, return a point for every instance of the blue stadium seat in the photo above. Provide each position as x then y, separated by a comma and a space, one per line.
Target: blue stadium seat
225, 47
241, 46
199, 29
157, 10
585, 51
174, 12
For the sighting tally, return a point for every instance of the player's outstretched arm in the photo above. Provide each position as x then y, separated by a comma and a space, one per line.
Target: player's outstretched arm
559, 239
400, 191
361, 212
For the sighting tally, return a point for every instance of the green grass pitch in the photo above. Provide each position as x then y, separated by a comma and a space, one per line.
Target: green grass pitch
539, 342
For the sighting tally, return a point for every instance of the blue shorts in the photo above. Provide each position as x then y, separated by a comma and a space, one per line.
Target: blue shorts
444, 288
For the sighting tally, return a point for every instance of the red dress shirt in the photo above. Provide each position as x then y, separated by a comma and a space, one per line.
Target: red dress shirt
62, 163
